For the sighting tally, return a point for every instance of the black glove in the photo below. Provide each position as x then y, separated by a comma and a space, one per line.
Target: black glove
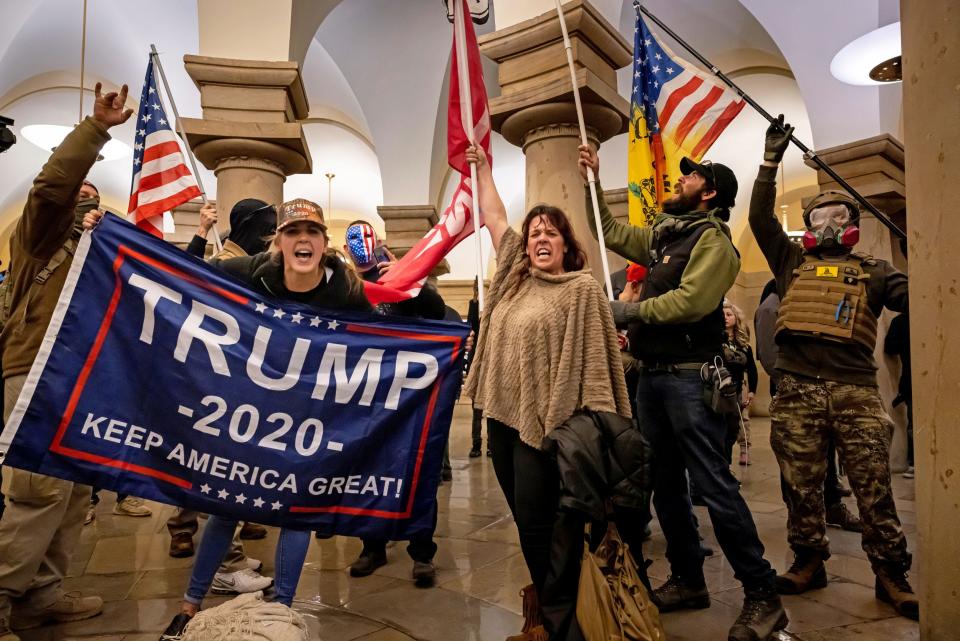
778, 138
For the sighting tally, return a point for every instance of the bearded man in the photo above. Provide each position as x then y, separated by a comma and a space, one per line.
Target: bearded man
676, 334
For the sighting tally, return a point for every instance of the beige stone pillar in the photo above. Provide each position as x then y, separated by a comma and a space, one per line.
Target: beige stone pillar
875, 168
405, 225
930, 33
535, 109
249, 135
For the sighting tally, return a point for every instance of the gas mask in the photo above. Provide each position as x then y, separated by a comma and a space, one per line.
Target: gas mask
831, 220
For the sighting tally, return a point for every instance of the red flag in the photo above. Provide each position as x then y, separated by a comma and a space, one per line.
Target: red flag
457, 222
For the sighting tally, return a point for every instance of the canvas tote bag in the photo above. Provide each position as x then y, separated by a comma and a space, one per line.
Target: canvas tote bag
612, 603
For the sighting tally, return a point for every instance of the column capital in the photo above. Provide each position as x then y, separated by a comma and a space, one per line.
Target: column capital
534, 72
405, 225
873, 166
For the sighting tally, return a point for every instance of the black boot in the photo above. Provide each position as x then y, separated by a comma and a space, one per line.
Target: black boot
680, 594
368, 562
475, 450
762, 615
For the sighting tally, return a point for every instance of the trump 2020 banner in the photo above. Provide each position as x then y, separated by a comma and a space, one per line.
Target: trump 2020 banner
163, 378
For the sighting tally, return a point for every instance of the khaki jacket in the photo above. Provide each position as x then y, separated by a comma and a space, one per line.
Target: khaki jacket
45, 226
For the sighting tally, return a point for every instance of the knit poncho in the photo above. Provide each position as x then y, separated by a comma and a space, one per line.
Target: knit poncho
547, 349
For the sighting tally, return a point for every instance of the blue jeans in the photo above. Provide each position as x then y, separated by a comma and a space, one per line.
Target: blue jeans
689, 437
291, 551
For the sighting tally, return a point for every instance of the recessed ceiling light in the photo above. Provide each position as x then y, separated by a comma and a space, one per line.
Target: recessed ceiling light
49, 137
854, 63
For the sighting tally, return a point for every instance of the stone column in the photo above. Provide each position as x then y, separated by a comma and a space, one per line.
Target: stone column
875, 167
930, 33
535, 109
405, 225
249, 135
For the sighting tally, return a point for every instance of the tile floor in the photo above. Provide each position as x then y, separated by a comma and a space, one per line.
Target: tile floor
125, 561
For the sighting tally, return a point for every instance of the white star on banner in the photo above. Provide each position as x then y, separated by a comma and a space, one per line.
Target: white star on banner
656, 70
152, 90
155, 106
670, 70
637, 74
314, 322
647, 42
656, 85
276, 505
141, 132
278, 313
658, 56
296, 318
138, 146
261, 307
146, 117
205, 488
240, 498
223, 494
333, 325
162, 121
258, 502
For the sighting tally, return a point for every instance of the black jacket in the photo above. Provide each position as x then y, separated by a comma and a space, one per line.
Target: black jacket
265, 274
600, 456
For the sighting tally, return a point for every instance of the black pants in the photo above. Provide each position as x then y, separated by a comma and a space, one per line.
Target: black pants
421, 548
476, 428
551, 541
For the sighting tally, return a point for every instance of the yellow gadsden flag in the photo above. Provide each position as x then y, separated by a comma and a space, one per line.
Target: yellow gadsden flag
676, 110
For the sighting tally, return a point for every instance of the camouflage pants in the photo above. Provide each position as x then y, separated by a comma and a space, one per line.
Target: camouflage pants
805, 414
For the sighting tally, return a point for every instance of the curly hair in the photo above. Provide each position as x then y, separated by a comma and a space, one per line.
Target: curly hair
574, 258
741, 331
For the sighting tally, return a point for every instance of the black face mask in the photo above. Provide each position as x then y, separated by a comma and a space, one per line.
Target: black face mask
82, 208
250, 234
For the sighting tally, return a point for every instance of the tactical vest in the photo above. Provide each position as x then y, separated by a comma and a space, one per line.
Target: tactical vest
828, 299
676, 342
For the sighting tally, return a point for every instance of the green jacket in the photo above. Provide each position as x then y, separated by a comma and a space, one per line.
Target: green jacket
710, 273
45, 226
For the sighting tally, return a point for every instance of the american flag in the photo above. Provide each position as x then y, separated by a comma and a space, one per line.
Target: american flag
161, 180
676, 111
458, 220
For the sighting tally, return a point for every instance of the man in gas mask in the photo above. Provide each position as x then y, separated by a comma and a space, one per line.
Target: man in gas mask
827, 332
41, 525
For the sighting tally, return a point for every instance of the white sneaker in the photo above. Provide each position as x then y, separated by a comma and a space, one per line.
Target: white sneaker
131, 506
239, 582
254, 564
908, 473
87, 520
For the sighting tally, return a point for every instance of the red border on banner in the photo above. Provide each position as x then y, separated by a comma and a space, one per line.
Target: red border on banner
123, 252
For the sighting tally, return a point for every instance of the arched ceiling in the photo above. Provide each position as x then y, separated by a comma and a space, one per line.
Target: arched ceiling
375, 72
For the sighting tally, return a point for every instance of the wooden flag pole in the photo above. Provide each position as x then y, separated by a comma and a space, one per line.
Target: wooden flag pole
218, 245
591, 178
466, 102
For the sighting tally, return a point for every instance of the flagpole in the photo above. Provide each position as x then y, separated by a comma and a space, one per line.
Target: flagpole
218, 245
463, 73
591, 178
809, 153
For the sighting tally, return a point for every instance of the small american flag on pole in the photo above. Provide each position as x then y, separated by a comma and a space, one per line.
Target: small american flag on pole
161, 179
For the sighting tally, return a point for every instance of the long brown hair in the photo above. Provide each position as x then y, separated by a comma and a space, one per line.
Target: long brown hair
574, 258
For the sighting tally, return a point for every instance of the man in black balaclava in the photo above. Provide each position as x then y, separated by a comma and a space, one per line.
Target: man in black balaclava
252, 223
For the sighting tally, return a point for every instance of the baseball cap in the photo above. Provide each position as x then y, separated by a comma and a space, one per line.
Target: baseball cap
293, 211
720, 177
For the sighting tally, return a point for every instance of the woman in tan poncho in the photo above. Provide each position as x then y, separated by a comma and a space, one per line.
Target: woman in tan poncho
547, 348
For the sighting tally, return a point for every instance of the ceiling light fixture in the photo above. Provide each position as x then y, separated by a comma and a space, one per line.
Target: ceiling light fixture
48, 137
871, 59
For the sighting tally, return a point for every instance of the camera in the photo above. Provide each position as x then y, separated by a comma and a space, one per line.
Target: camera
7, 137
